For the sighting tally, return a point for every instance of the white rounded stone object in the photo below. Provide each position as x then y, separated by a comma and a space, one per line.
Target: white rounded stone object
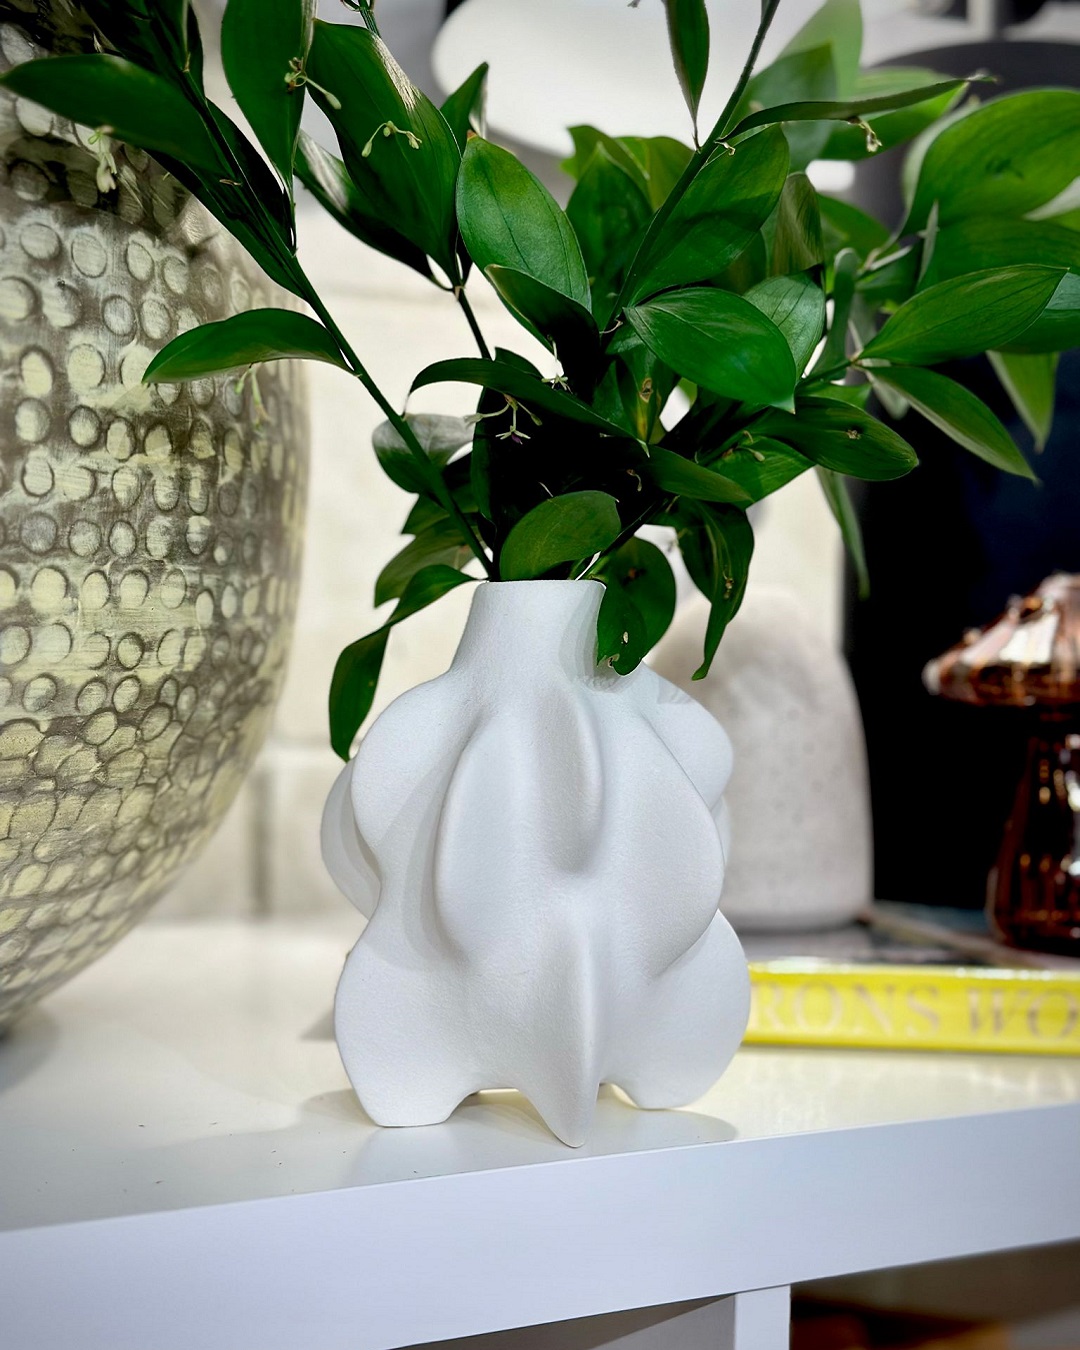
539, 845
799, 794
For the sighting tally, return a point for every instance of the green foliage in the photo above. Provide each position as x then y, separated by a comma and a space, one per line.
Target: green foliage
967, 315
439, 437
638, 603
956, 411
1001, 159
842, 438
264, 48
244, 340
796, 305
717, 544
846, 110
401, 155
837, 25
566, 529
688, 32
1029, 381
715, 267
723, 208
102, 90
328, 181
721, 342
835, 488
796, 230
874, 132
466, 108
686, 478
509, 218
356, 674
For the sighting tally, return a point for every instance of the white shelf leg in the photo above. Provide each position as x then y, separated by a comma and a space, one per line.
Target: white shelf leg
757, 1320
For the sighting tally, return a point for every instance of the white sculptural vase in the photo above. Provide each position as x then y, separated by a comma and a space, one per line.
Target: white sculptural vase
538, 844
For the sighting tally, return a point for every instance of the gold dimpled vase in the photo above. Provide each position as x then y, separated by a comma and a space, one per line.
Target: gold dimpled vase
150, 538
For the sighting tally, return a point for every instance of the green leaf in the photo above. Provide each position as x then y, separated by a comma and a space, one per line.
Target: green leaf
466, 108
587, 140
717, 543
634, 389
796, 244
837, 24
509, 218
854, 395
807, 74
957, 412
258, 183
264, 47
609, 213
815, 110
159, 35
797, 306
559, 322
513, 382
441, 543
999, 241
402, 157
564, 529
720, 341
889, 129
245, 339
356, 674
1030, 381
440, 438
654, 164
271, 248
136, 106
965, 316
353, 685
1057, 328
326, 178
688, 34
844, 225
842, 438
638, 603
1003, 158
835, 488
715, 219
687, 478
661, 161
845, 272
760, 466
891, 279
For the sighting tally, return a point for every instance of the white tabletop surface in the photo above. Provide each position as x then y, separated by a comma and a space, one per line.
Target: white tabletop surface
179, 1089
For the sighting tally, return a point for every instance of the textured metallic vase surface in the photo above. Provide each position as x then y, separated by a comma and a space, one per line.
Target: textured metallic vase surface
149, 543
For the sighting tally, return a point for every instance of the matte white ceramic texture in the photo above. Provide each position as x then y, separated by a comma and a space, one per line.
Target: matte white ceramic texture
539, 845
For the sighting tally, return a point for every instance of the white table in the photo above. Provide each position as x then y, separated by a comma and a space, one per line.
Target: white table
183, 1167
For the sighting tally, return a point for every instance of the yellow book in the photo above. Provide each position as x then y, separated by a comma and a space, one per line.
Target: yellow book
918, 1007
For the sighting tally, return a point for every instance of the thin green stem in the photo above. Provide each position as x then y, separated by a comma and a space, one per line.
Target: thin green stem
466, 309
715, 138
401, 426
367, 13
723, 127
627, 533
290, 262
826, 376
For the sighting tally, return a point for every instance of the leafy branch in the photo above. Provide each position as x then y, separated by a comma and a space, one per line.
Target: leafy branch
715, 269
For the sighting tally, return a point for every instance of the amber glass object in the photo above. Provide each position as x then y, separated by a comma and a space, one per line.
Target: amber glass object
1028, 659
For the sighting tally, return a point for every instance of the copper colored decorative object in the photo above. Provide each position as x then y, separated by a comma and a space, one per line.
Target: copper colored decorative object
1028, 659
